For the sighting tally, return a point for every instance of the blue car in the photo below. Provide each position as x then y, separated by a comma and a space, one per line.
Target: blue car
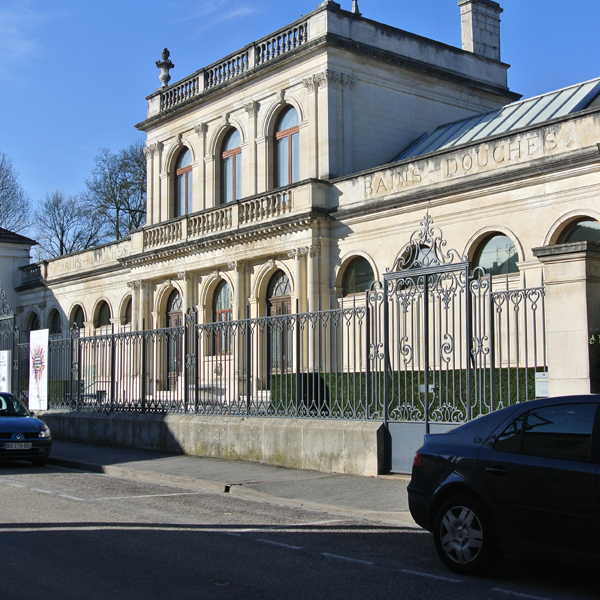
523, 479
22, 436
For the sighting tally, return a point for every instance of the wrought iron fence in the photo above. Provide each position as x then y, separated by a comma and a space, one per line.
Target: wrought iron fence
363, 362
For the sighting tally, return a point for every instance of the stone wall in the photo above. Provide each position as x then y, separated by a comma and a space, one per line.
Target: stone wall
350, 447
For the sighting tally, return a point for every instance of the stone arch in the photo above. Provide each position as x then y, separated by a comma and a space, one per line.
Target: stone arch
73, 313
276, 107
123, 308
263, 277
478, 238
207, 291
222, 130
565, 221
161, 296
98, 308
347, 260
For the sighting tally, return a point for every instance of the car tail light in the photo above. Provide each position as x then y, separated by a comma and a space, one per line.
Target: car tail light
417, 459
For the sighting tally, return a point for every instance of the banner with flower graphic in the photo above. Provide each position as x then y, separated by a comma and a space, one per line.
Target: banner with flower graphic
38, 370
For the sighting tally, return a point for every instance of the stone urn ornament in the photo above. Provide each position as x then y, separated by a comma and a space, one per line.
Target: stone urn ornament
165, 65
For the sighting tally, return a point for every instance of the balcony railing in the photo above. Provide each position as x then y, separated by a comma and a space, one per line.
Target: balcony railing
234, 65
31, 274
232, 216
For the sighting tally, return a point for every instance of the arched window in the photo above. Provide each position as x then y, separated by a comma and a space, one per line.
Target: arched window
359, 277
103, 315
497, 255
127, 313
287, 141
54, 323
222, 313
33, 322
584, 230
77, 317
231, 167
174, 341
280, 335
183, 184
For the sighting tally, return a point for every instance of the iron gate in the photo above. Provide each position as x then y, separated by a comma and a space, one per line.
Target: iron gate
437, 343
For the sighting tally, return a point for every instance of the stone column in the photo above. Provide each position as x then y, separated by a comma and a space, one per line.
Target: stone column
312, 278
135, 304
252, 110
188, 289
347, 137
238, 291
299, 287
143, 308
199, 176
572, 284
312, 108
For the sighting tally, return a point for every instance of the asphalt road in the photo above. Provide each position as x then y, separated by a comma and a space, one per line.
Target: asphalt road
71, 535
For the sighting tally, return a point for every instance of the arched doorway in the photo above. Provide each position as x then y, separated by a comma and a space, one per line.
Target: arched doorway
174, 319
279, 303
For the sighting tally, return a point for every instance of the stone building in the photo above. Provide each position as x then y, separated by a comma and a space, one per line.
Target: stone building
289, 175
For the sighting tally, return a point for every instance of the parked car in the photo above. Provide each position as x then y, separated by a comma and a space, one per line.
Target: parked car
22, 436
525, 478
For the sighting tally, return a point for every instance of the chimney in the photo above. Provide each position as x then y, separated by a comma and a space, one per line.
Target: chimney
480, 27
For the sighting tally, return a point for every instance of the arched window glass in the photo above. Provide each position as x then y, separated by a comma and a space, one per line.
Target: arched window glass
78, 317
103, 319
127, 314
174, 303
54, 323
359, 277
222, 313
231, 167
287, 142
33, 322
498, 255
183, 184
586, 230
279, 285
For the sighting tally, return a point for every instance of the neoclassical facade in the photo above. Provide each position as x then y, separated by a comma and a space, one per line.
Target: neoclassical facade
289, 176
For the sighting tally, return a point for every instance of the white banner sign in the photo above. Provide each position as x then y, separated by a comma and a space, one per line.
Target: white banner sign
5, 371
38, 370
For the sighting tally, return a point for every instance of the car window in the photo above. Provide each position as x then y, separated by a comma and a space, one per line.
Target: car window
510, 439
563, 432
11, 407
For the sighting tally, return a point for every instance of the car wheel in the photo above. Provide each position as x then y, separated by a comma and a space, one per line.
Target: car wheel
39, 462
465, 537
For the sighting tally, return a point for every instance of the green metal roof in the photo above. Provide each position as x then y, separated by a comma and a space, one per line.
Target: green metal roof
524, 113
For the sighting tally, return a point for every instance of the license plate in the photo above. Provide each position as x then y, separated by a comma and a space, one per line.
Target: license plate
17, 446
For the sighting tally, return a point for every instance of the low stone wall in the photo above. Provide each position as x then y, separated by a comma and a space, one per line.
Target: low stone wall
350, 447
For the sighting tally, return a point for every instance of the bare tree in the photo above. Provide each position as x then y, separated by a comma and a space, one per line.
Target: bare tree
117, 188
14, 201
66, 224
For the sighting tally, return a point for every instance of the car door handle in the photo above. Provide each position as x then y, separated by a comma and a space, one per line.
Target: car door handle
497, 471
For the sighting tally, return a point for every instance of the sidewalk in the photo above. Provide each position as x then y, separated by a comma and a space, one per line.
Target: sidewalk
382, 497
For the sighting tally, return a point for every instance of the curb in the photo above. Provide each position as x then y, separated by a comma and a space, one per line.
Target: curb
236, 489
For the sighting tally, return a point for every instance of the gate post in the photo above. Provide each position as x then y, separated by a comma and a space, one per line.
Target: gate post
426, 345
143, 369
15, 362
248, 361
368, 394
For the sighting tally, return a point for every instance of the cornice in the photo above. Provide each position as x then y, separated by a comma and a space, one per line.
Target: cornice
502, 179
228, 238
337, 41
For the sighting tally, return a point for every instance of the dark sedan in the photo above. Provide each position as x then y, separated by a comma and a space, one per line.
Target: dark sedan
22, 436
525, 478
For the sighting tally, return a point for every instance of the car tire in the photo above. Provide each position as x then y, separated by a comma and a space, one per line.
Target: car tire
465, 537
39, 462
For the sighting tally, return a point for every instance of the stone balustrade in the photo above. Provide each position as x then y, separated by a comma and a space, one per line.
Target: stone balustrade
180, 92
169, 233
235, 64
242, 213
280, 43
31, 274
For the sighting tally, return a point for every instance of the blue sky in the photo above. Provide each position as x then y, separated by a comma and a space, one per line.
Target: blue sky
74, 73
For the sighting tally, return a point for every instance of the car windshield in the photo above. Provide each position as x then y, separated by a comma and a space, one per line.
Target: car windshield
11, 407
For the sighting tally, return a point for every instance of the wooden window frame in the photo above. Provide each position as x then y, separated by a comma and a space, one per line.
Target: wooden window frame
183, 171
286, 133
225, 155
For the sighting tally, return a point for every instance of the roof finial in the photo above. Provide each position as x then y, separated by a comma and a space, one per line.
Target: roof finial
355, 8
165, 65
